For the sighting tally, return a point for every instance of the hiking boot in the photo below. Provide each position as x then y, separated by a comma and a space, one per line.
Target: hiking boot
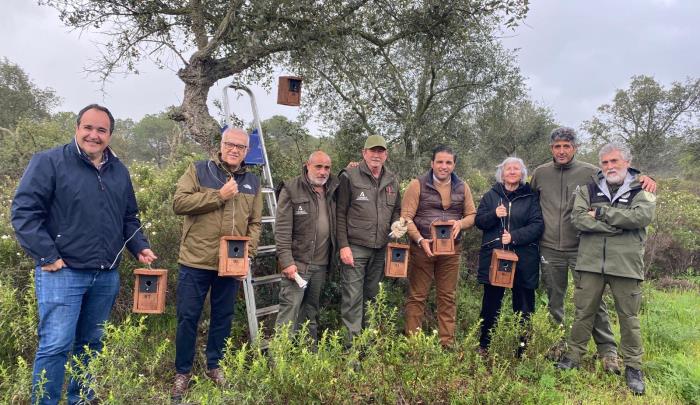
556, 352
611, 364
566, 364
216, 375
182, 381
635, 380
483, 352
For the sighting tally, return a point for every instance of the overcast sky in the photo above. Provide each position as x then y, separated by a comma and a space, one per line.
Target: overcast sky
574, 54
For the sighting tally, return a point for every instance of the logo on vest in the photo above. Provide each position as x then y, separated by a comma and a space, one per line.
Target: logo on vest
247, 186
300, 211
362, 197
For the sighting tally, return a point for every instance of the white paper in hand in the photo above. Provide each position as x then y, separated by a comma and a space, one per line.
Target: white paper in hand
300, 281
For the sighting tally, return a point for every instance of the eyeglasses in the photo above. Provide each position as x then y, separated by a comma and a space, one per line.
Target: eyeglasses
231, 145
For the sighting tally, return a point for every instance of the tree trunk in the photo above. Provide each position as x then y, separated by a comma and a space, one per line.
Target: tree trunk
198, 77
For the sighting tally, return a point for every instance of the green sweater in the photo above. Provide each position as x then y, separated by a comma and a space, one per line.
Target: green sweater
555, 184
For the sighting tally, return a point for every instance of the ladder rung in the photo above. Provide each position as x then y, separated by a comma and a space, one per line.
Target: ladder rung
272, 278
267, 190
267, 310
268, 219
267, 249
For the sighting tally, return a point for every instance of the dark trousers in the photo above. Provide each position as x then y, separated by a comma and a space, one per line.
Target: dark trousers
523, 301
192, 288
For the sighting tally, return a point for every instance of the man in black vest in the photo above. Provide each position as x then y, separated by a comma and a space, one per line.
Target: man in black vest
439, 195
368, 202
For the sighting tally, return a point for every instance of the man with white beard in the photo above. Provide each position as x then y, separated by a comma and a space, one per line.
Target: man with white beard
306, 241
611, 213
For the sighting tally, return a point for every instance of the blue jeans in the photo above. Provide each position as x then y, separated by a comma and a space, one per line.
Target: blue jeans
73, 306
192, 288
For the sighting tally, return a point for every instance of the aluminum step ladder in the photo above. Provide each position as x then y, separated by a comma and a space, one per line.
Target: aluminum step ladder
268, 190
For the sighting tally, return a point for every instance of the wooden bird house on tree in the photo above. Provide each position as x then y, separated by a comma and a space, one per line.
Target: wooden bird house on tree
289, 90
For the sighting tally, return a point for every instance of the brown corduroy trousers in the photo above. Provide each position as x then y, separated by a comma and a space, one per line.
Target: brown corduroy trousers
421, 273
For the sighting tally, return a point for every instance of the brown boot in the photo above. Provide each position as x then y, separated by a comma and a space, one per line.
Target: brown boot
216, 375
611, 364
182, 381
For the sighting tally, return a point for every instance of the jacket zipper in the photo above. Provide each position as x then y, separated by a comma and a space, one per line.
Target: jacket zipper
561, 202
602, 265
313, 243
510, 207
378, 197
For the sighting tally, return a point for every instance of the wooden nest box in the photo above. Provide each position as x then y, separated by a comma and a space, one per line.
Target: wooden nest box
441, 233
149, 290
289, 90
502, 269
233, 256
396, 263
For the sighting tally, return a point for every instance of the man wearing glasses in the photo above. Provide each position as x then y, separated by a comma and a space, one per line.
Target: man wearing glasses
218, 197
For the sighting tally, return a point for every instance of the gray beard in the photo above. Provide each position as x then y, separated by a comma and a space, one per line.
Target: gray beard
315, 182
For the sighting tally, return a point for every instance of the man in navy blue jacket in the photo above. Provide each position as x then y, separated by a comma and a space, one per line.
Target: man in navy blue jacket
74, 212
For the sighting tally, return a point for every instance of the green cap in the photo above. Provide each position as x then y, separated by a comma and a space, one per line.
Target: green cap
375, 140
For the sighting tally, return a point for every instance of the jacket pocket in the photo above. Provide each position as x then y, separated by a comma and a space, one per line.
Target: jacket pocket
360, 229
361, 194
301, 207
186, 227
390, 195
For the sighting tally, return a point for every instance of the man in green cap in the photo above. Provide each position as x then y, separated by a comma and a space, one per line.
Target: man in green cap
368, 202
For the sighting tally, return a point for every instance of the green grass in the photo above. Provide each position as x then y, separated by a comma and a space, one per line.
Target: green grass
137, 363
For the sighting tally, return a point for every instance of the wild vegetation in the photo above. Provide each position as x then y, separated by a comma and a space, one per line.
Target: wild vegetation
383, 366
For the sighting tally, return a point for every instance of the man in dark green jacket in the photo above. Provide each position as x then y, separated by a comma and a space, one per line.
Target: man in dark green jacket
555, 182
305, 239
611, 213
368, 202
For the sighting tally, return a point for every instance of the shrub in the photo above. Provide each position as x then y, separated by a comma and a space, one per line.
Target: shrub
127, 368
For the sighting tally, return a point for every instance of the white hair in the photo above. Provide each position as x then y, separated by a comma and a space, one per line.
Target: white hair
511, 159
613, 146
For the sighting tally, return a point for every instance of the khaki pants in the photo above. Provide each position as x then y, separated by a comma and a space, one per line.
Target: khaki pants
299, 305
421, 273
627, 293
360, 284
555, 278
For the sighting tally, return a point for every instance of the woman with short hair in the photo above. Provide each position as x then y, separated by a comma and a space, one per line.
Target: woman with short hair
509, 215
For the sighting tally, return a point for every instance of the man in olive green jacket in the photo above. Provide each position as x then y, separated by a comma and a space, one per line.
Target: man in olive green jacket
305, 240
218, 197
368, 202
612, 213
